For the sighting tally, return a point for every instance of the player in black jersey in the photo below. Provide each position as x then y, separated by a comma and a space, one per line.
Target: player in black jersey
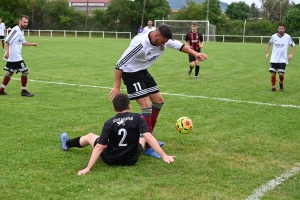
195, 40
122, 139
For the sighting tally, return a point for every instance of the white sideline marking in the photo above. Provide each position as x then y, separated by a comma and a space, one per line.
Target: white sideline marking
166, 93
261, 191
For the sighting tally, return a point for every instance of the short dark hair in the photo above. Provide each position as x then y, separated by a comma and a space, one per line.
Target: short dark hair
281, 24
121, 102
23, 16
165, 31
150, 20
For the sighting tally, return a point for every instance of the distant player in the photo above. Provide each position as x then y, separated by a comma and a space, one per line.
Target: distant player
122, 139
195, 40
2, 32
143, 51
150, 27
140, 29
15, 64
279, 58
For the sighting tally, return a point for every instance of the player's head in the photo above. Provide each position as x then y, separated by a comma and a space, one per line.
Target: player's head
150, 22
121, 102
161, 35
281, 29
194, 26
23, 21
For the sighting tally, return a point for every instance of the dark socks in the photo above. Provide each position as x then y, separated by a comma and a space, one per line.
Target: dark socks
74, 143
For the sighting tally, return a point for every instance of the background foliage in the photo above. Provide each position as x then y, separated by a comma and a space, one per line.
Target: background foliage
125, 15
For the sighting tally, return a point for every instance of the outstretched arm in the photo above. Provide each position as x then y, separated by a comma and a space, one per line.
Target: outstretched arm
154, 144
95, 155
198, 56
116, 89
30, 44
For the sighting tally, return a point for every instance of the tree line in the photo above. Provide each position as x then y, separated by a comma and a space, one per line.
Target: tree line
126, 15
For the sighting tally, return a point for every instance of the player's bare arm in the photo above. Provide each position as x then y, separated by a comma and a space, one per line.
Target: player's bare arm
94, 157
6, 54
30, 44
198, 56
154, 144
292, 54
267, 52
116, 89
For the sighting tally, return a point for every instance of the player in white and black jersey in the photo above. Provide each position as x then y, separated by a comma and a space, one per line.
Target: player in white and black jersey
122, 139
143, 51
148, 28
15, 64
2, 32
279, 58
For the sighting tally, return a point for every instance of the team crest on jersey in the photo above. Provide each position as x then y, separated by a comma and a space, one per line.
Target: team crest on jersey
161, 48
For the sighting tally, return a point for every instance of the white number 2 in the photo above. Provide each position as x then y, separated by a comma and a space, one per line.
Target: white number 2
123, 132
137, 86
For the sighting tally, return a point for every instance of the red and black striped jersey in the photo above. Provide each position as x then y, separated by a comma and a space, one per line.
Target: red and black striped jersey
194, 39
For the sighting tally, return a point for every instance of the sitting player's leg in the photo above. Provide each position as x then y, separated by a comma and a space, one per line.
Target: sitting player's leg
79, 142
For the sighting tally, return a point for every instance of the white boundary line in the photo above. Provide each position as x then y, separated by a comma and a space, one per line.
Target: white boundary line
166, 93
257, 193
261, 191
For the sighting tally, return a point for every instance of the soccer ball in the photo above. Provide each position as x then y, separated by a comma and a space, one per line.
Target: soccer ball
184, 125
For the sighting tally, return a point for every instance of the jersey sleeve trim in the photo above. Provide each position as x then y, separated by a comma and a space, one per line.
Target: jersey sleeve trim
127, 57
181, 47
8, 40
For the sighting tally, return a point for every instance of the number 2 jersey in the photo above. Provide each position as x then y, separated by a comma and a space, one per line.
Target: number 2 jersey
121, 133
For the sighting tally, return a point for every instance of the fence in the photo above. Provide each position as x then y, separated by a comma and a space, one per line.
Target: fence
237, 38
128, 35
68, 33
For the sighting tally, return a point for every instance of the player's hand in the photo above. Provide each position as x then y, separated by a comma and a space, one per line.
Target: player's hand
267, 55
113, 92
6, 55
83, 171
290, 56
201, 56
35, 44
169, 159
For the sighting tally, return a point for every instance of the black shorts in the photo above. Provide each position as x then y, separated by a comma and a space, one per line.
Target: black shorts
192, 58
1, 37
280, 67
17, 67
129, 161
139, 84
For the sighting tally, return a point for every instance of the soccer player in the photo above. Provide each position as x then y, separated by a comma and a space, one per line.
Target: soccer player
150, 27
122, 139
143, 51
194, 39
15, 63
279, 58
2, 32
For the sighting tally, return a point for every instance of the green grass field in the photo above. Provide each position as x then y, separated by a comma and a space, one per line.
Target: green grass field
243, 136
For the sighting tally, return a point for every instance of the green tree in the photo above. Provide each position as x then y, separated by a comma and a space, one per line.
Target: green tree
215, 15
291, 20
254, 11
275, 10
8, 12
123, 14
238, 10
192, 11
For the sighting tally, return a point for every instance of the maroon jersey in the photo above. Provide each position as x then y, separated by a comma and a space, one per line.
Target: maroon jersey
194, 39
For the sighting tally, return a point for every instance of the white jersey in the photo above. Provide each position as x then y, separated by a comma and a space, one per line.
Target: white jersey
280, 48
141, 53
15, 39
2, 29
147, 29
